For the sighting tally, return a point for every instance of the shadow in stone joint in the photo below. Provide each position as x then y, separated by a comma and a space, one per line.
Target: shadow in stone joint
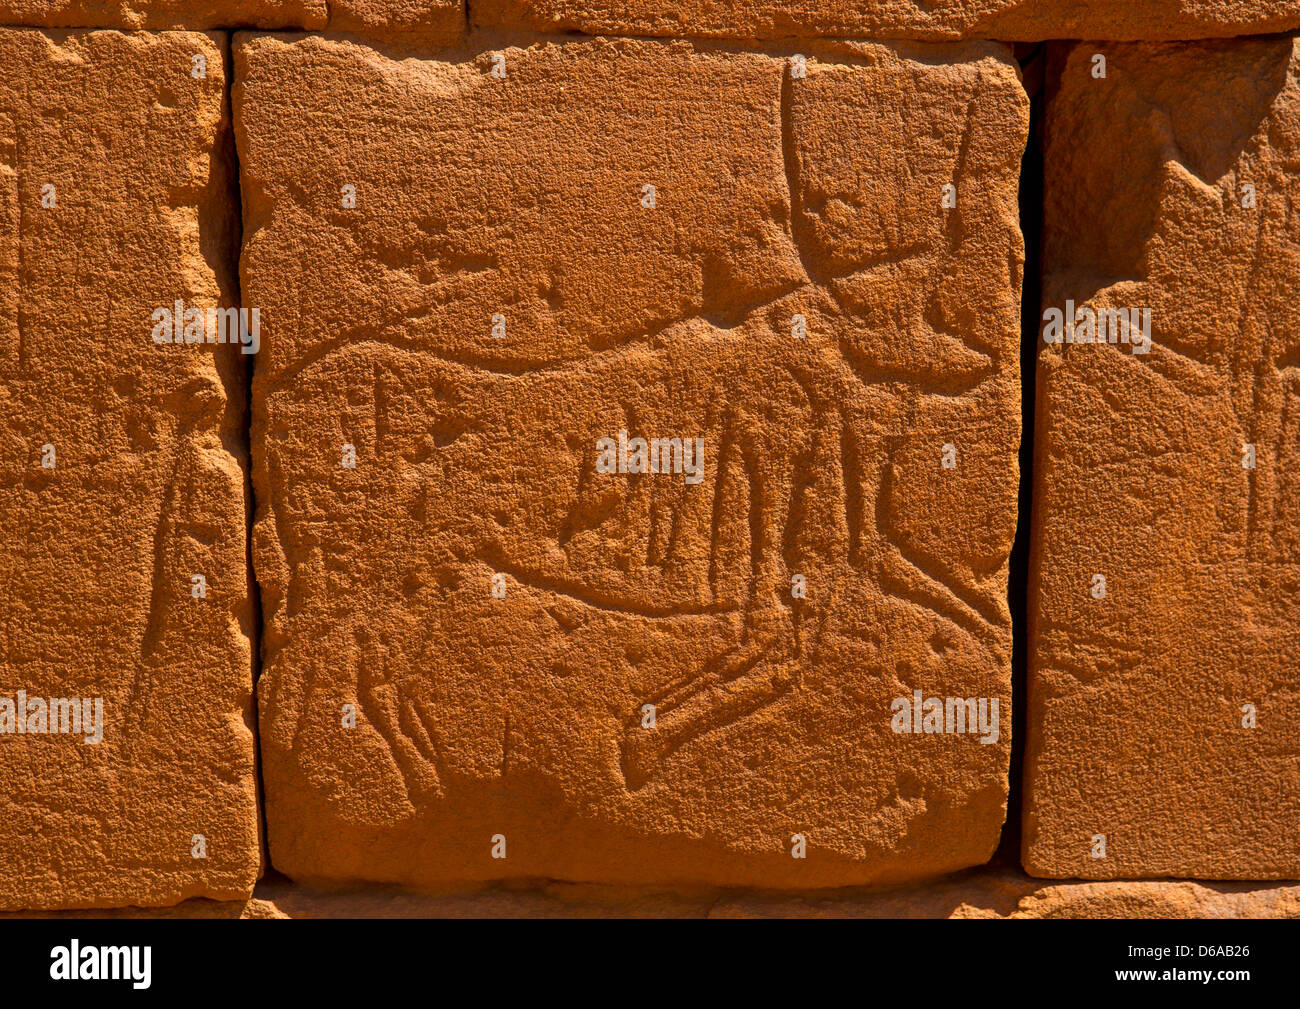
1031, 58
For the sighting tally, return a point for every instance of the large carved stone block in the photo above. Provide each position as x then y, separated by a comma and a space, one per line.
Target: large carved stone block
635, 435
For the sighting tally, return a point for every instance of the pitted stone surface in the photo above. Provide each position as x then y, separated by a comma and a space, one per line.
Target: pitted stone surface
418, 22
1171, 185
935, 20
424, 21
164, 14
412, 20
465, 288
121, 477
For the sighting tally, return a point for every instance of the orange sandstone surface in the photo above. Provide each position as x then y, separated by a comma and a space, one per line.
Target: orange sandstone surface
931, 20
164, 14
416, 20
126, 676
504, 638
1165, 594
633, 424
937, 20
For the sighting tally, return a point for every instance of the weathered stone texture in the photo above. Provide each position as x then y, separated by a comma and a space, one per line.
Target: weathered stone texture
116, 198
1138, 700
523, 197
938, 20
163, 14
423, 21
408, 21
413, 20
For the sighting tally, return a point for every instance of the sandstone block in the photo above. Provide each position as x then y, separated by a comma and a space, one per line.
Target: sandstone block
417, 22
1164, 717
164, 14
413, 20
487, 635
125, 685
1009, 20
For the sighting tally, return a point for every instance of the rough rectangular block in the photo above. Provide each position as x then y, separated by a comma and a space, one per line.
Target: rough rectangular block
414, 20
467, 285
405, 21
1010, 20
121, 477
162, 14
1171, 185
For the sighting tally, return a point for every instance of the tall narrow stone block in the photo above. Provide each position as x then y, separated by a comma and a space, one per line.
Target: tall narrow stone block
1165, 612
126, 742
